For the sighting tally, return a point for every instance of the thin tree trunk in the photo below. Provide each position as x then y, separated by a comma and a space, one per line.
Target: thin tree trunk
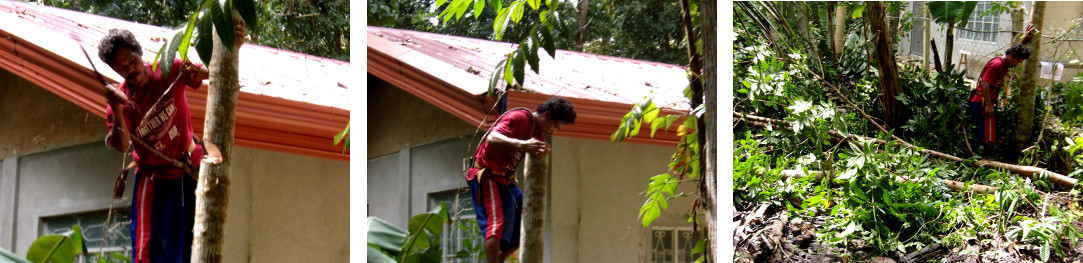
212, 194
949, 46
885, 59
840, 29
535, 184
831, 29
1017, 29
584, 8
928, 35
1031, 67
709, 9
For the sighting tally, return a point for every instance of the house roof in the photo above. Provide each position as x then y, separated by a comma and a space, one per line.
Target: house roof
289, 101
453, 72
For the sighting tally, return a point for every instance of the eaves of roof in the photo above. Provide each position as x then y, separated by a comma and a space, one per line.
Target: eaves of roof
452, 73
289, 102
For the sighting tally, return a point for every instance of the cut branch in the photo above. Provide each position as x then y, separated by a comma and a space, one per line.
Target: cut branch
1025, 171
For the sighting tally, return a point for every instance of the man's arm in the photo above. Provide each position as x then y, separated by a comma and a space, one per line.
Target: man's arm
988, 98
1029, 34
117, 139
503, 141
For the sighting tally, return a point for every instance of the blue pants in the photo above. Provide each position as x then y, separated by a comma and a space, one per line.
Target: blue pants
171, 220
499, 211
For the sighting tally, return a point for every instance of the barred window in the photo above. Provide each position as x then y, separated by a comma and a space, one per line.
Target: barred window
456, 238
101, 237
673, 245
987, 25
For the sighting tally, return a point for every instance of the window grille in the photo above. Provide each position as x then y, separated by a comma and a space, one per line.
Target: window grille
987, 26
455, 238
673, 245
101, 237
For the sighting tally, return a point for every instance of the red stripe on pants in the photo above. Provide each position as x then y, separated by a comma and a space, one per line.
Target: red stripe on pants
494, 210
146, 201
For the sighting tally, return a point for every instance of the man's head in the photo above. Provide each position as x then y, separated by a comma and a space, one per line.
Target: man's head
123, 53
554, 114
1016, 54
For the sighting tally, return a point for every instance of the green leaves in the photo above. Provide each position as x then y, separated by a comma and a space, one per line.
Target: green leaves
344, 135
57, 248
247, 10
952, 12
422, 244
222, 17
656, 199
204, 34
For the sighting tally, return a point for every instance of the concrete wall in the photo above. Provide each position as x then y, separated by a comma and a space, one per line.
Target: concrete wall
398, 120
33, 119
1058, 17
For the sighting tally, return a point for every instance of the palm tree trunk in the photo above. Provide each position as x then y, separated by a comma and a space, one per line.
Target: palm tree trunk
1025, 115
535, 178
840, 29
212, 194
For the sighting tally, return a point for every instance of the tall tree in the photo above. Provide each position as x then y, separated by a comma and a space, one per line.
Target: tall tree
885, 58
840, 29
709, 9
584, 9
535, 188
1025, 116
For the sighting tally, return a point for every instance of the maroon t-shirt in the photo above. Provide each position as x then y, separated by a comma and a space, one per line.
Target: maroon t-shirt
168, 127
516, 124
993, 73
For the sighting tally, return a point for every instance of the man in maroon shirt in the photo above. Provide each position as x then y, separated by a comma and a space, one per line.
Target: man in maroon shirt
152, 110
497, 200
989, 86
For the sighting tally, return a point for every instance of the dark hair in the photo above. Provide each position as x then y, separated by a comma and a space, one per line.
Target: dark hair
560, 108
1018, 51
115, 39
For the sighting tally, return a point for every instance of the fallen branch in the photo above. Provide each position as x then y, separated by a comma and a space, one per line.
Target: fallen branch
953, 185
1025, 171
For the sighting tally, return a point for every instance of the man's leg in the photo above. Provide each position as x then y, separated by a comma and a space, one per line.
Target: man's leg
505, 254
492, 250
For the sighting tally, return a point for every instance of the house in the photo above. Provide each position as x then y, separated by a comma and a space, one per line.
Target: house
290, 186
986, 37
426, 112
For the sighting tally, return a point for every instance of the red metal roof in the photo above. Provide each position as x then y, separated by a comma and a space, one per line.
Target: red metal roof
453, 72
289, 102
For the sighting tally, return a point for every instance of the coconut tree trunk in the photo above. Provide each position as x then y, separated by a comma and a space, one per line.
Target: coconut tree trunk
1031, 67
212, 194
535, 186
840, 29
709, 9
885, 59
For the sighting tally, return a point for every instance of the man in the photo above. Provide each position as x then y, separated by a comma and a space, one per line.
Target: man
497, 200
152, 111
990, 82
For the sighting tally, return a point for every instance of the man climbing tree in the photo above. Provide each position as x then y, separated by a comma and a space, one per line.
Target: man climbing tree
491, 177
152, 110
990, 82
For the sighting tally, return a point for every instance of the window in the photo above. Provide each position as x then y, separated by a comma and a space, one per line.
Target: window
456, 238
988, 25
100, 237
673, 245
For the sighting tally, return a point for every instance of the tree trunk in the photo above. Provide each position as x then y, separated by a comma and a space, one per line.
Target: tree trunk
212, 194
535, 184
584, 8
885, 59
927, 35
949, 45
1031, 68
831, 29
709, 9
840, 29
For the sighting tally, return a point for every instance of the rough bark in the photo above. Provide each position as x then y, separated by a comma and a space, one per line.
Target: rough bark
584, 8
949, 45
535, 186
840, 29
885, 59
831, 30
936, 56
1031, 68
709, 9
212, 194
927, 35
1017, 28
